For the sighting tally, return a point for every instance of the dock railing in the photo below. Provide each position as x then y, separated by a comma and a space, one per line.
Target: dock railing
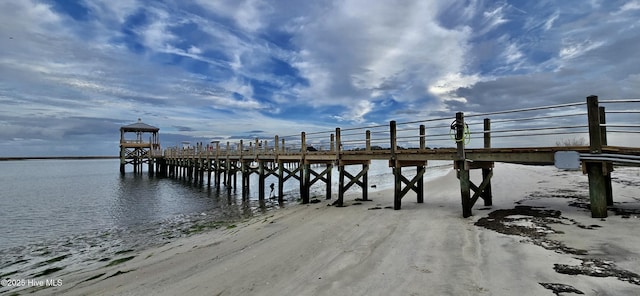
599, 136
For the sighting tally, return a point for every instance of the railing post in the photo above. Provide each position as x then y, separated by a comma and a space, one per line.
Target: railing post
593, 115
487, 133
609, 165
603, 128
392, 139
460, 136
368, 140
423, 137
338, 143
595, 169
333, 143
275, 145
303, 143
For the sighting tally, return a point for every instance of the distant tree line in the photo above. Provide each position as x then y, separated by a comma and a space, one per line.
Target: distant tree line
572, 142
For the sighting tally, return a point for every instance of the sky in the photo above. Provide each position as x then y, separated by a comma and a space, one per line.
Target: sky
73, 72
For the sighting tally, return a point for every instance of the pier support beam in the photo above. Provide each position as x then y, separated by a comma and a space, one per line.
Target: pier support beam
352, 180
416, 184
487, 172
597, 189
463, 167
402, 185
305, 184
285, 174
311, 177
465, 188
596, 170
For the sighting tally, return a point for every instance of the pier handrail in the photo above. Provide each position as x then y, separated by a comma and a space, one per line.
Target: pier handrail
428, 133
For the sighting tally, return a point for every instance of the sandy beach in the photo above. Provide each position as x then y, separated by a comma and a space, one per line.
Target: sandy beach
537, 239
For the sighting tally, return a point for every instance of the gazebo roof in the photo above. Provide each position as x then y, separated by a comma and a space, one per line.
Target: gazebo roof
139, 127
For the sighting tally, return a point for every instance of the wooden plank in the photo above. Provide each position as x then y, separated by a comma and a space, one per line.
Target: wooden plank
343, 162
534, 157
407, 163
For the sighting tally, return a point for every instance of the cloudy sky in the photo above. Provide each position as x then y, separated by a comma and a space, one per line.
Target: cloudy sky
73, 72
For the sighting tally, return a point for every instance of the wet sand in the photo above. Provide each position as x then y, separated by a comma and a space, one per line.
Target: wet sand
537, 239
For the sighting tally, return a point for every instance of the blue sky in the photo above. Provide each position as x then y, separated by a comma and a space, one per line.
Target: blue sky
73, 72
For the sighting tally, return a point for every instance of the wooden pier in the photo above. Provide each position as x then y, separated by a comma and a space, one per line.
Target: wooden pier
312, 162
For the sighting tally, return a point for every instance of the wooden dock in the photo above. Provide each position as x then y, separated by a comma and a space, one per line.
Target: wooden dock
310, 158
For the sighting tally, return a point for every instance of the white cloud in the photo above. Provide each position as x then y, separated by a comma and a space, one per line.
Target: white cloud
548, 24
357, 112
194, 50
572, 48
33, 16
513, 55
156, 35
493, 19
356, 49
219, 102
118, 9
445, 87
629, 6
247, 14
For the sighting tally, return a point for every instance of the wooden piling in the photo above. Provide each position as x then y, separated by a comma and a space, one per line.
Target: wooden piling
397, 170
329, 170
281, 180
261, 180
487, 195
595, 169
462, 166
420, 183
340, 201
306, 167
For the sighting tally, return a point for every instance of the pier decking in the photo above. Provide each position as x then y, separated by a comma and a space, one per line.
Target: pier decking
311, 157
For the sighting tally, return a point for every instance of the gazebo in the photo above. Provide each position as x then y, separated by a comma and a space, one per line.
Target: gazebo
136, 150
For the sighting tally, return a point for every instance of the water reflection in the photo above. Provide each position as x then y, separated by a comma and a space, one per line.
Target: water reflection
137, 201
142, 198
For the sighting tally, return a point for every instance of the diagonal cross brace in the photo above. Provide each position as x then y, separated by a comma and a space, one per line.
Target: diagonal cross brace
477, 191
291, 174
270, 172
320, 176
355, 180
411, 185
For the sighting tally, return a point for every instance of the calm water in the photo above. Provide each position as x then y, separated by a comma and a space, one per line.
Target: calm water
82, 211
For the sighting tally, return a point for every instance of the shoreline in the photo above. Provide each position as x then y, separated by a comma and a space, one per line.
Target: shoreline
423, 249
